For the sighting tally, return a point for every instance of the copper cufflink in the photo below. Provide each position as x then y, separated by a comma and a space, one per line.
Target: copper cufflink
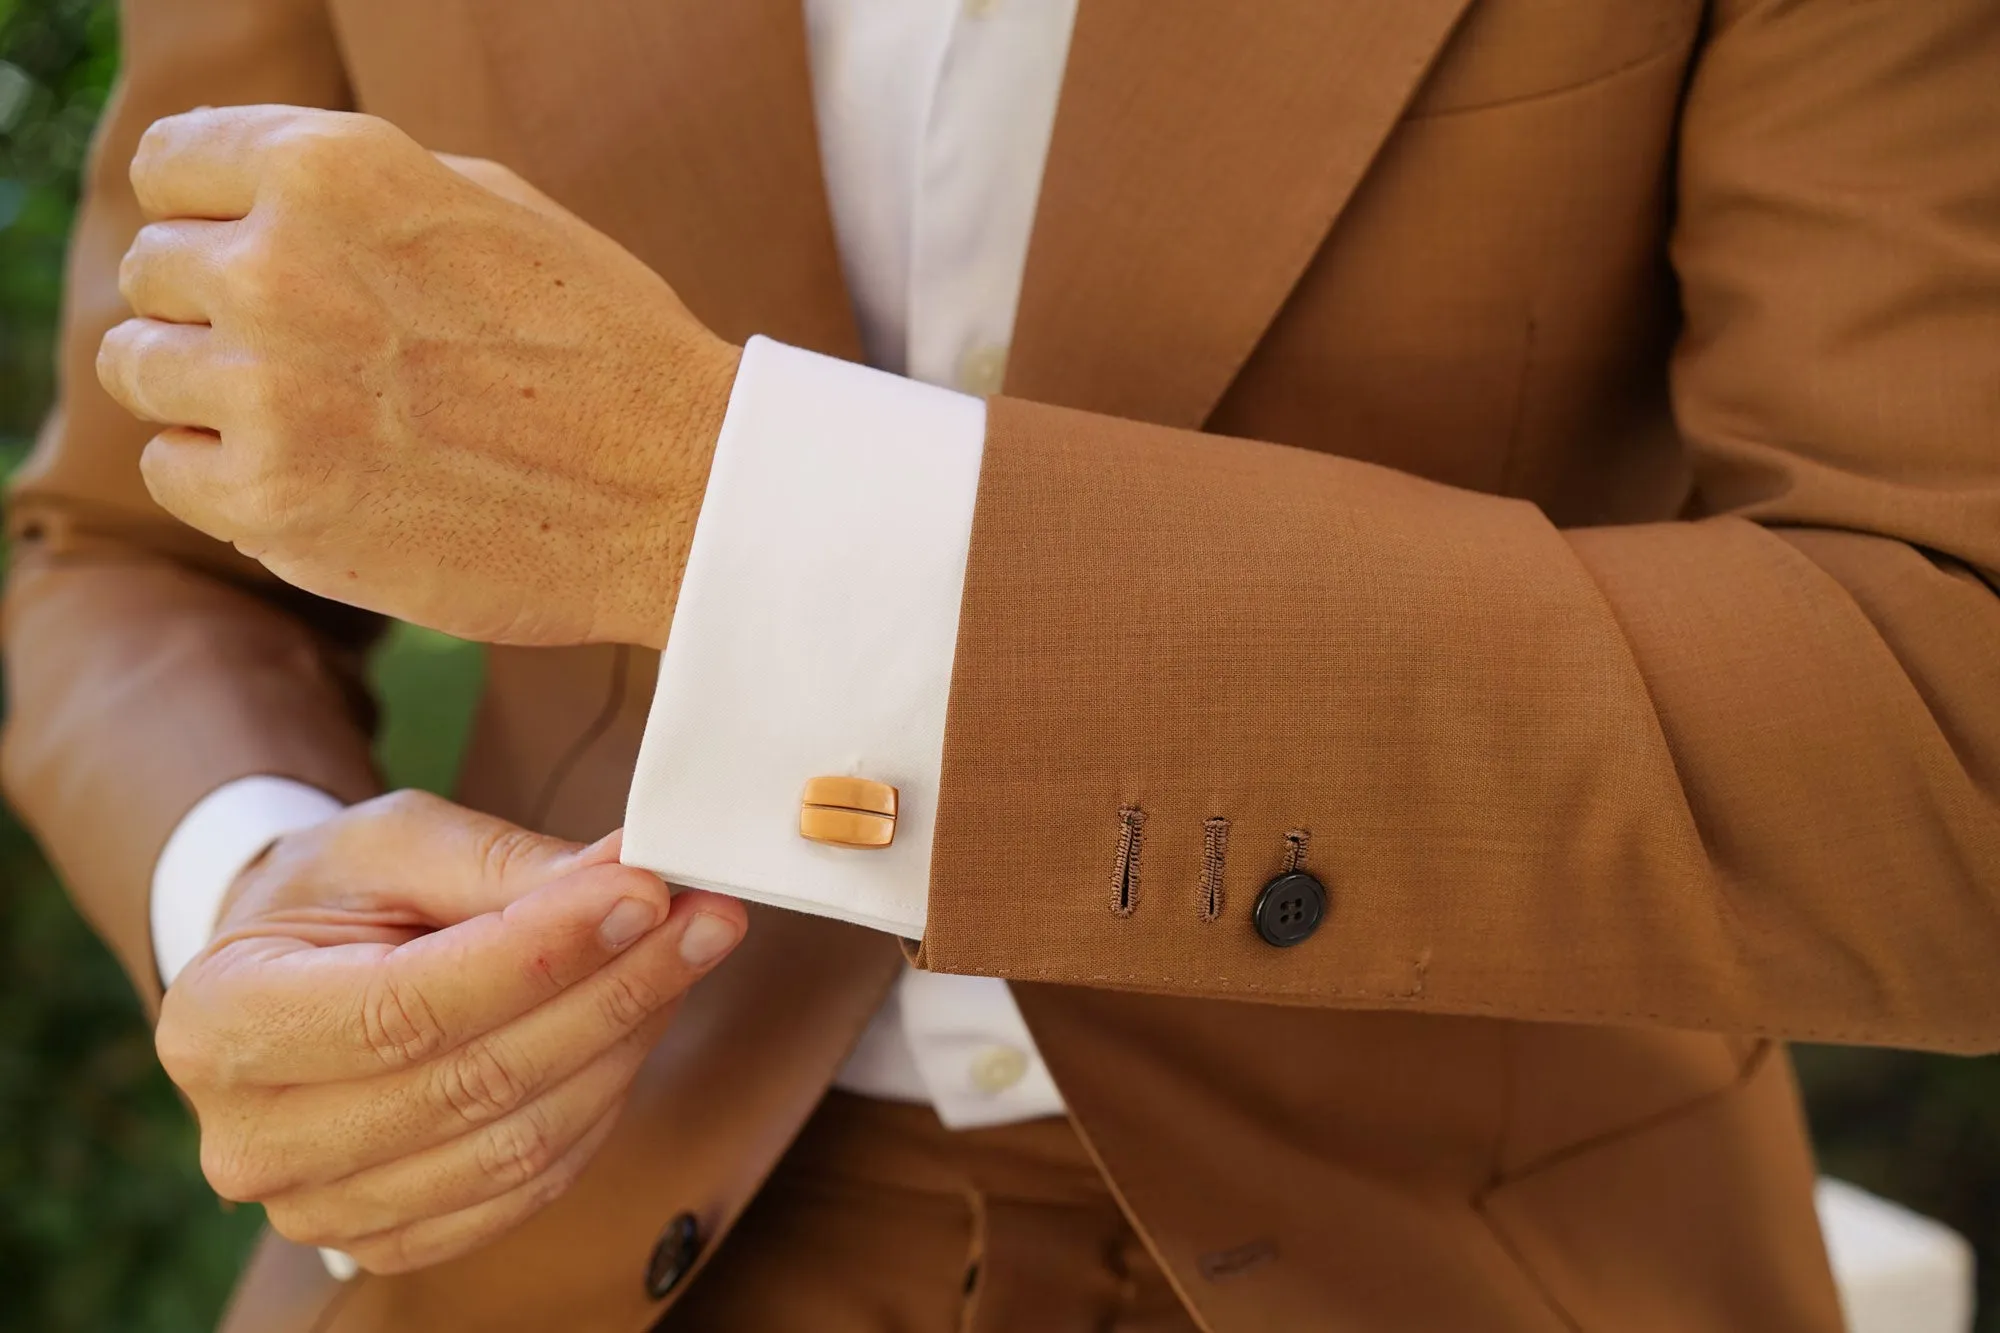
848, 812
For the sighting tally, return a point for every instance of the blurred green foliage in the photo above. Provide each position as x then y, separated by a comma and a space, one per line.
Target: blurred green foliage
105, 1223
56, 61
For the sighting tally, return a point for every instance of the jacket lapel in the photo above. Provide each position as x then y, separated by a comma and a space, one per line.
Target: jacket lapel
684, 128
1201, 154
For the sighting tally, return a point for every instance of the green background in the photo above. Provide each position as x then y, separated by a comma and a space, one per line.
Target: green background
105, 1223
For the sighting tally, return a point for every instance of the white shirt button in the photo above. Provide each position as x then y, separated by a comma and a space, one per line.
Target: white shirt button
998, 1068
981, 370
979, 9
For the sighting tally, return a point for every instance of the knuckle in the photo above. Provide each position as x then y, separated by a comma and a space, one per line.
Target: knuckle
389, 1253
289, 1222
407, 801
140, 338
300, 1225
256, 271
304, 151
185, 1051
109, 349
478, 1084
235, 1170
551, 1185
153, 144
398, 1023
518, 1149
128, 368
627, 1000
114, 355
373, 131
153, 139
116, 350
407, 807
504, 850
316, 151
139, 257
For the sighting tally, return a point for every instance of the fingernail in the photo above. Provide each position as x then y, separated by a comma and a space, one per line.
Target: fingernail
706, 939
630, 919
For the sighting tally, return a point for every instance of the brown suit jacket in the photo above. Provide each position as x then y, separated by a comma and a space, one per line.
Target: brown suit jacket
1546, 450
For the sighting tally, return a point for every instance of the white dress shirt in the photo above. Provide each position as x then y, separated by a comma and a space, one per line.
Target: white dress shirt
828, 649
815, 630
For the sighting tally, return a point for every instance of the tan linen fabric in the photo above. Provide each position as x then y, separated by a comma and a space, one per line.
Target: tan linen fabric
1543, 452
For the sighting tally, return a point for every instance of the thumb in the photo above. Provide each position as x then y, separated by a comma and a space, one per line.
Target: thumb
607, 850
413, 852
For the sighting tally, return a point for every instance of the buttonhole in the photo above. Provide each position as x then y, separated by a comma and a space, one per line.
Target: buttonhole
1214, 851
1295, 849
1125, 871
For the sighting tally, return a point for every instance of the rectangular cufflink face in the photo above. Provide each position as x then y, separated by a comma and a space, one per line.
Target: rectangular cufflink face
848, 812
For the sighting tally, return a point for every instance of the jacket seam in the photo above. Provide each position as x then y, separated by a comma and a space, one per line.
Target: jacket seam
1678, 49
1753, 1064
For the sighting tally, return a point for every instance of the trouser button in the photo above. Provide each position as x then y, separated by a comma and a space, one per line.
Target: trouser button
673, 1255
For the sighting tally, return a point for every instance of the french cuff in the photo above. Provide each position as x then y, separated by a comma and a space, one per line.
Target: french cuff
224, 832
813, 637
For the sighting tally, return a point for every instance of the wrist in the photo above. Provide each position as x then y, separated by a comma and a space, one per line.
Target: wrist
644, 589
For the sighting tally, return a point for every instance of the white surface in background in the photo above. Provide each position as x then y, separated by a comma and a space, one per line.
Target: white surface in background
1898, 1272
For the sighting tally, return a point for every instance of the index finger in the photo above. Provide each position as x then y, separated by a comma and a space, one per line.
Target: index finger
207, 163
288, 1012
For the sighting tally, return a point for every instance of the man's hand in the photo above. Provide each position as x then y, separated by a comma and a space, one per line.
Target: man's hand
421, 388
415, 1023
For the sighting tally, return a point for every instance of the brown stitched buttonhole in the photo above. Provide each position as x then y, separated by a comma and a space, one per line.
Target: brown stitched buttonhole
1295, 849
1125, 871
1214, 850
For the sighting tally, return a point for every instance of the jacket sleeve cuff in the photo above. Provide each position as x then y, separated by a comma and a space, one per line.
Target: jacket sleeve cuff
813, 635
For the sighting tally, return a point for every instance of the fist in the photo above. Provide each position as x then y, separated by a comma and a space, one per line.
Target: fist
413, 386
416, 1024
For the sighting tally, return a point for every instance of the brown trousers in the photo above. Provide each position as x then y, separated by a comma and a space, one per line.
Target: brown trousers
882, 1219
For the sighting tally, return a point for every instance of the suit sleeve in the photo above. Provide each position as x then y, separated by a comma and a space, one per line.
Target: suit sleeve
1736, 772
146, 665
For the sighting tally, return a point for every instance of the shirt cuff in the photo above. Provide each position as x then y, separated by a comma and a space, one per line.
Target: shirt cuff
813, 635
227, 830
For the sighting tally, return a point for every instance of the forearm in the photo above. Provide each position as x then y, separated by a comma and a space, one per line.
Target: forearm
147, 664
136, 687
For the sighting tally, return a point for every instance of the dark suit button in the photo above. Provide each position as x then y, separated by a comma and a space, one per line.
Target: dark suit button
1290, 909
673, 1256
